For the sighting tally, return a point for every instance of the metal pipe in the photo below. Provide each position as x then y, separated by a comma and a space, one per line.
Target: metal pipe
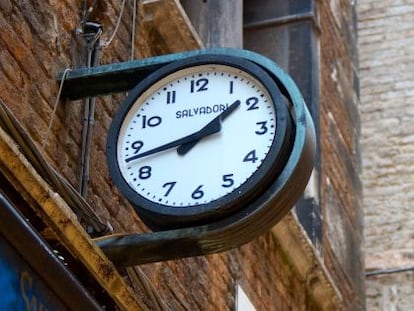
277, 21
284, 20
91, 34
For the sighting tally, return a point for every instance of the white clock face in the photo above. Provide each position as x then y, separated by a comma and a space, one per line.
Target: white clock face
196, 135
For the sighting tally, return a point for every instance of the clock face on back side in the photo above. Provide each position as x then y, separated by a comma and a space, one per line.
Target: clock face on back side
197, 140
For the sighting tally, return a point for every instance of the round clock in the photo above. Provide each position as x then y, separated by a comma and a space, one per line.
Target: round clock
198, 139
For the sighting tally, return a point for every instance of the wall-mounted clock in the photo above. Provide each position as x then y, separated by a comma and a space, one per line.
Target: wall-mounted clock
199, 139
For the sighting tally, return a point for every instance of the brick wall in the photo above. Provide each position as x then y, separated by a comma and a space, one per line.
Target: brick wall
386, 41
340, 131
38, 40
334, 102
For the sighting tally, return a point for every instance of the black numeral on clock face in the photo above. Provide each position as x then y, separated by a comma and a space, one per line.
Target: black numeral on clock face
151, 122
144, 172
263, 128
169, 186
227, 181
198, 85
171, 97
137, 145
198, 193
252, 102
251, 157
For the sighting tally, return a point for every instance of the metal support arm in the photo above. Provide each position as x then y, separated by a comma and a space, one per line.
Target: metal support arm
260, 215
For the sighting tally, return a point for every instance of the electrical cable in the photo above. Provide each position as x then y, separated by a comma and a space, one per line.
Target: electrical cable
134, 15
121, 12
46, 137
388, 271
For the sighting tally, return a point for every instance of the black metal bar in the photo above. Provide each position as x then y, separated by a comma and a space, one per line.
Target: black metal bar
107, 79
121, 77
39, 256
283, 20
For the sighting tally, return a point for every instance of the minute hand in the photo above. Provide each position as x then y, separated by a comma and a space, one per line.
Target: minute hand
185, 147
212, 127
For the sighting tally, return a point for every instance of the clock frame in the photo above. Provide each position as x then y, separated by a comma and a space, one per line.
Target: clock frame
162, 216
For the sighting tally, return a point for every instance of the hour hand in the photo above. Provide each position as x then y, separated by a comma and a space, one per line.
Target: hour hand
214, 124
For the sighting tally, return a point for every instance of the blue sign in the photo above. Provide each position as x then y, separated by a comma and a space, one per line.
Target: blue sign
21, 287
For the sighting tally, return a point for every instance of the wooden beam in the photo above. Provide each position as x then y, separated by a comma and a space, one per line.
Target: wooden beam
57, 215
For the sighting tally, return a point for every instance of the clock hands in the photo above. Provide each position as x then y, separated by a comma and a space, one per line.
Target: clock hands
188, 142
213, 127
216, 122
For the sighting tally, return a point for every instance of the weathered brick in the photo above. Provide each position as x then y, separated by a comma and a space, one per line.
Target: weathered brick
6, 7
339, 123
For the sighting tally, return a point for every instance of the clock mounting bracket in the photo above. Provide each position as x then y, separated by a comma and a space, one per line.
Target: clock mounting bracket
223, 234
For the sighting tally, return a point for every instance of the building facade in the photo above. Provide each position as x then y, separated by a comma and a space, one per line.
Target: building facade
53, 162
386, 62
